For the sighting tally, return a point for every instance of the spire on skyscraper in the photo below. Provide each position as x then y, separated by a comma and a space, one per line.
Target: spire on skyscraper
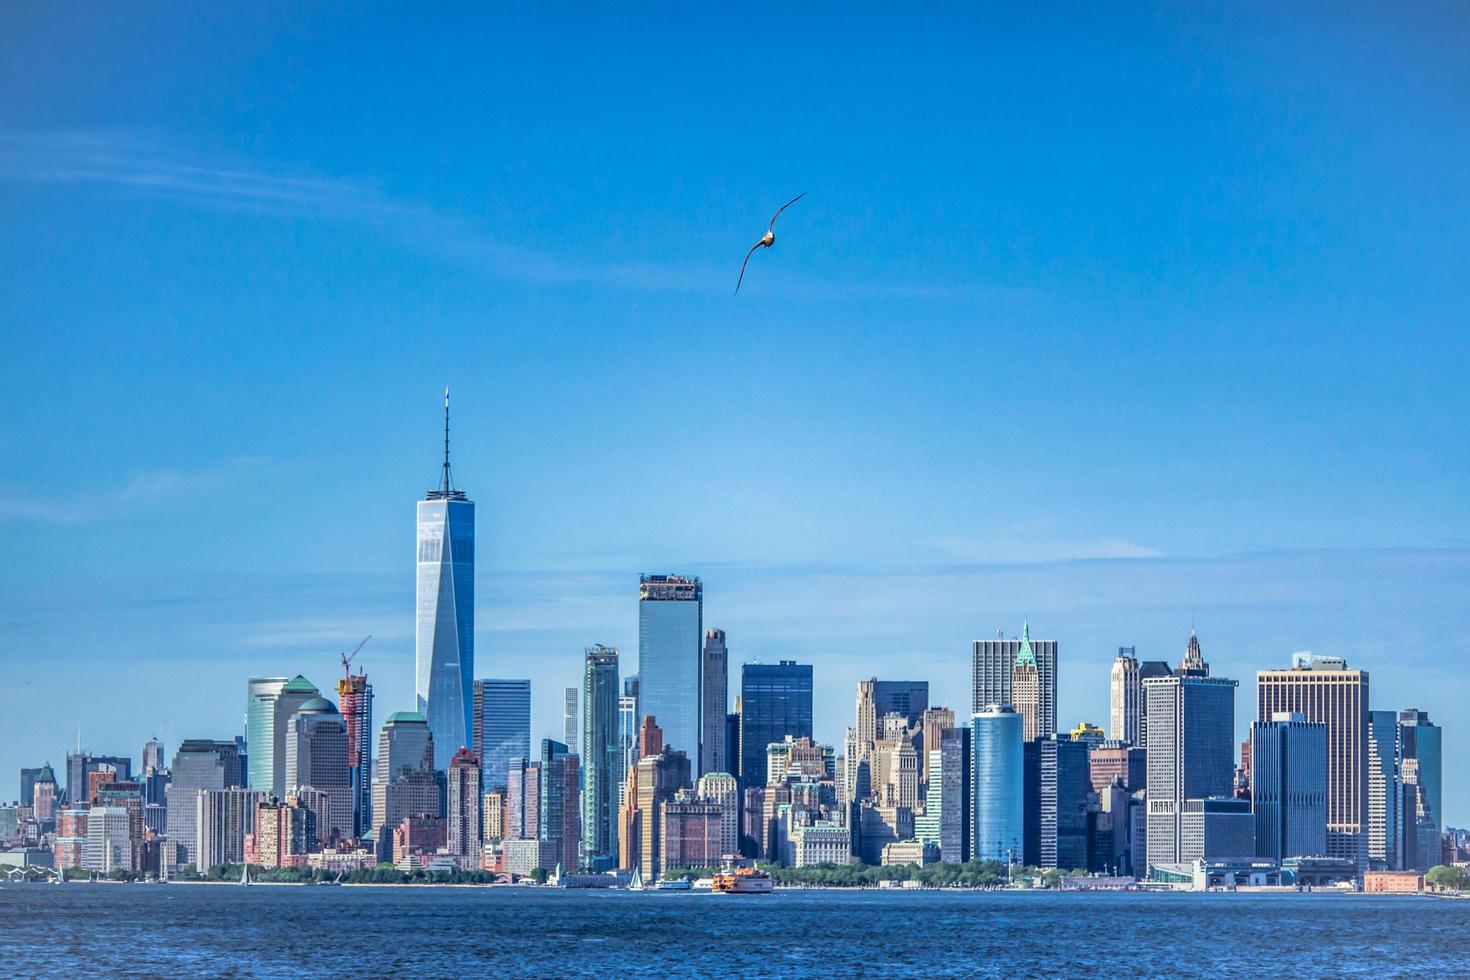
446, 489
1026, 655
1193, 664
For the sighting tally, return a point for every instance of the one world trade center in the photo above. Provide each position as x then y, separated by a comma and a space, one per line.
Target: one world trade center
445, 639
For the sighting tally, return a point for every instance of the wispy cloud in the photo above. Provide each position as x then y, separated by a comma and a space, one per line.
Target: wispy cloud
126, 161
141, 490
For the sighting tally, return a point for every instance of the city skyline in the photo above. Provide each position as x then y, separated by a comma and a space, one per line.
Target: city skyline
1171, 338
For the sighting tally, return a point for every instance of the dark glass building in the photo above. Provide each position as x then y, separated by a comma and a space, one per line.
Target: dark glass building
775, 701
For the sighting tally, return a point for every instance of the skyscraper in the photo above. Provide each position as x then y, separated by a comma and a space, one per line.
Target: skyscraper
1190, 755
1420, 762
1057, 785
405, 784
602, 768
670, 631
355, 700
270, 703
775, 701
1324, 690
560, 818
947, 806
1026, 690
502, 726
152, 755
991, 668
1126, 719
317, 758
714, 754
199, 764
571, 720
1289, 787
463, 832
1383, 790
997, 793
222, 819
445, 638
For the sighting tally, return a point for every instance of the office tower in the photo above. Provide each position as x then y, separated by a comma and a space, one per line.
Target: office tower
502, 726
317, 758
1125, 723
775, 701
199, 764
1057, 784
43, 796
1218, 828
222, 819
670, 631
1324, 690
405, 784
602, 759
355, 700
1146, 670
1383, 790
444, 643
876, 699
714, 753
722, 789
947, 805
659, 779
1114, 759
1026, 692
270, 703
628, 723
108, 845
81, 766
28, 783
561, 808
732, 741
991, 668
571, 720
523, 800
1289, 787
1420, 771
997, 791
1190, 755
1193, 664
933, 724
152, 755
462, 808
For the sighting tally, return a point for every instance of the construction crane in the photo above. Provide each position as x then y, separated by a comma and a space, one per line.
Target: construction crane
348, 657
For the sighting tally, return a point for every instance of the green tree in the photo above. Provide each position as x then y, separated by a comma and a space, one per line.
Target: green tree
538, 875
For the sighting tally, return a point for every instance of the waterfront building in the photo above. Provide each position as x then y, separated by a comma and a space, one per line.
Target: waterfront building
1289, 787
722, 789
714, 751
659, 774
355, 701
814, 841
1057, 785
444, 639
199, 764
992, 663
997, 791
914, 852
462, 809
1217, 829
317, 758
1125, 718
405, 784
691, 833
1190, 753
561, 813
108, 845
223, 819
285, 832
71, 837
270, 704
571, 720
1383, 790
501, 728
947, 807
602, 761
522, 857
1420, 777
1117, 760
775, 702
670, 635
1325, 690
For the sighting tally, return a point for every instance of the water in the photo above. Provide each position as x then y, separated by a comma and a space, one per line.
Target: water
180, 930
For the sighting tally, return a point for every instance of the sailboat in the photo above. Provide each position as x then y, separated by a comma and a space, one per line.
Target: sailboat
244, 874
635, 883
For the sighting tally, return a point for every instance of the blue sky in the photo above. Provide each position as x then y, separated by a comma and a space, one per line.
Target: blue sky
1112, 319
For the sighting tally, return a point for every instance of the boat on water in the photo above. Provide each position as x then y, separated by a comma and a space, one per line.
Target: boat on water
244, 874
635, 884
742, 881
675, 885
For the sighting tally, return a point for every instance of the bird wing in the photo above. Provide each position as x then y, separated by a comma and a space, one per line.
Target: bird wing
784, 207
744, 264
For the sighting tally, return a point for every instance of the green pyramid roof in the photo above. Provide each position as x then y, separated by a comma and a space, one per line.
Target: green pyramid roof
400, 716
299, 685
1025, 658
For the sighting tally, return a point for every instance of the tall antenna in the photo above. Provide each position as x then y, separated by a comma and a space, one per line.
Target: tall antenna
447, 486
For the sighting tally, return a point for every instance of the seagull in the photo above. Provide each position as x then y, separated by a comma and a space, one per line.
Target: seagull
767, 240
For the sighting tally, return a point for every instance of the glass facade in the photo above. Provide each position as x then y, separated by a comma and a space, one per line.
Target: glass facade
670, 635
775, 701
997, 769
1289, 788
445, 637
501, 727
270, 703
603, 758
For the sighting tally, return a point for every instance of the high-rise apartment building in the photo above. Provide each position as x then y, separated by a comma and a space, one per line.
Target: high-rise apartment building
199, 764
501, 727
1190, 755
629, 722
223, 818
992, 662
602, 759
1325, 690
571, 720
997, 792
270, 704
462, 808
714, 754
670, 636
523, 800
444, 644
317, 758
355, 700
775, 701
1125, 721
1289, 787
561, 815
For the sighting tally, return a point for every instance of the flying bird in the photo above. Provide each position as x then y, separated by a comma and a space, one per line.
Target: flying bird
767, 240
